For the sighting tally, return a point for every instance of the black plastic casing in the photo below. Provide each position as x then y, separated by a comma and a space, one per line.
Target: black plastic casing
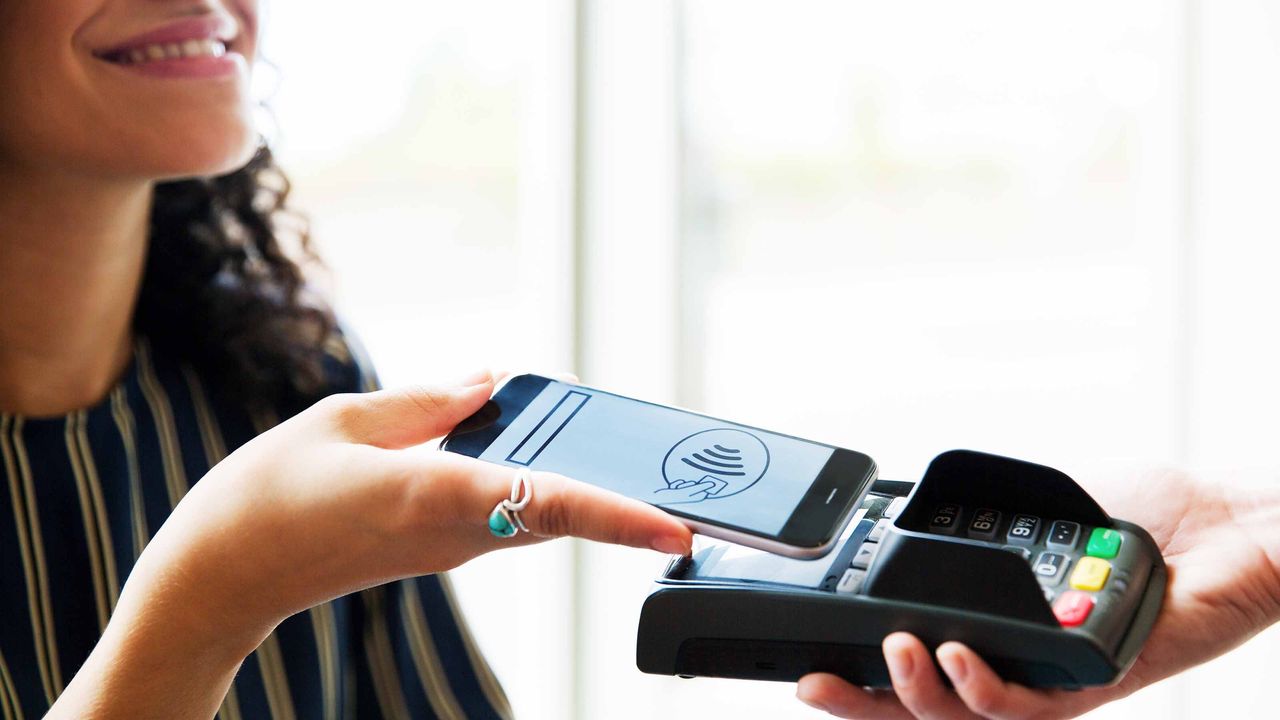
938, 588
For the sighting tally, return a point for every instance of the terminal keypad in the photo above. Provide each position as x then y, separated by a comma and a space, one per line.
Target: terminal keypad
1073, 564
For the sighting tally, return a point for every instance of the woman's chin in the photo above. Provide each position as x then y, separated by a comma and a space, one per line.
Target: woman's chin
199, 160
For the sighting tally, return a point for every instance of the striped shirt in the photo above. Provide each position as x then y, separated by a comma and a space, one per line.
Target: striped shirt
81, 494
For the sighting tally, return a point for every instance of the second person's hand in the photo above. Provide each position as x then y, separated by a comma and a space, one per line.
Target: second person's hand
1222, 545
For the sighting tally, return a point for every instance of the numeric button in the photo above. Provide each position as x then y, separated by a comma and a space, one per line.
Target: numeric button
945, 520
877, 532
1024, 530
895, 507
1063, 535
1021, 552
983, 524
1050, 567
851, 581
866, 554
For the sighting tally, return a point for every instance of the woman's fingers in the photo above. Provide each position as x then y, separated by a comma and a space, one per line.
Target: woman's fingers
567, 507
561, 506
985, 693
916, 681
562, 376
835, 695
407, 416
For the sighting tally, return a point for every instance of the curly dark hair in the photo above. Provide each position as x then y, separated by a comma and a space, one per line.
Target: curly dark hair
224, 287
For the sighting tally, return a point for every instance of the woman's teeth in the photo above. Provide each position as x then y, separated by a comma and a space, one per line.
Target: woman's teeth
174, 51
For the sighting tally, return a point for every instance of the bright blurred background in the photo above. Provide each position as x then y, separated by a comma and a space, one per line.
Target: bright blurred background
1044, 231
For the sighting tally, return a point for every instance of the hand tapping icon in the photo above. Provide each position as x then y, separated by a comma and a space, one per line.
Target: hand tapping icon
712, 464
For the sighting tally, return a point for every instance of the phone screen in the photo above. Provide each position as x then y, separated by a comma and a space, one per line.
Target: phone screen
698, 466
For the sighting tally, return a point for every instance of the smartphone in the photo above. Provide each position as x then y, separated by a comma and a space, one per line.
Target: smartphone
762, 489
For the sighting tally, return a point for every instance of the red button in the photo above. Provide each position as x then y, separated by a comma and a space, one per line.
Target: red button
1073, 607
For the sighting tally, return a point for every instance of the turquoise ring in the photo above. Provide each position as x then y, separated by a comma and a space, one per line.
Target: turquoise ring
505, 520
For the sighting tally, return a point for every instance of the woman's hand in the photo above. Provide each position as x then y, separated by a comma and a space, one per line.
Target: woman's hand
340, 498
344, 497
1222, 546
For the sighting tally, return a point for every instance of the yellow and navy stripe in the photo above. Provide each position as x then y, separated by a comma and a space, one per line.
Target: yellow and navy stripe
80, 496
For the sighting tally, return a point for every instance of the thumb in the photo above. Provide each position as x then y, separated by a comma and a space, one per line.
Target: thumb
406, 416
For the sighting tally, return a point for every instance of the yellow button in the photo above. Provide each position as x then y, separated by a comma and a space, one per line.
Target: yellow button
1090, 574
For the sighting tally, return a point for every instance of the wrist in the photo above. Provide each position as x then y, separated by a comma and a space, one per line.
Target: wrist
166, 652
195, 578
179, 591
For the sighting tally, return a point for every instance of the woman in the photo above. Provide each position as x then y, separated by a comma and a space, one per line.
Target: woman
152, 329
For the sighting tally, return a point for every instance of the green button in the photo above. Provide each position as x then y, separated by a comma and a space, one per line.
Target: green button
1103, 543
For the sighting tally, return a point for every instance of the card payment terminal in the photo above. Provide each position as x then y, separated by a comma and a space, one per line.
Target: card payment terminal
1011, 558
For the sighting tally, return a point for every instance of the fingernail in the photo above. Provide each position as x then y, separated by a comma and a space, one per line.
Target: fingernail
479, 377
899, 659
954, 664
671, 545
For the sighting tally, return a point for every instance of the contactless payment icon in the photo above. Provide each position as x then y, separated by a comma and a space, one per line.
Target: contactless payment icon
712, 464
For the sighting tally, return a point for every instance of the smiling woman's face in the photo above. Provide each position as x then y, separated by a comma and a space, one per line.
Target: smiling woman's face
126, 89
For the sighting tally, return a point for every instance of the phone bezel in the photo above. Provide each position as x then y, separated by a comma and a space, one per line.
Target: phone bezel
809, 532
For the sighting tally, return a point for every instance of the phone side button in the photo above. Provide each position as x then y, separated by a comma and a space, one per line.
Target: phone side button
851, 581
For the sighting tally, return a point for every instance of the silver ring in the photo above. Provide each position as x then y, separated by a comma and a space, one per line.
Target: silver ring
505, 520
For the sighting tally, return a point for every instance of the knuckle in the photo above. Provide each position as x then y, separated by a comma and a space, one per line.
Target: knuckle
554, 518
984, 700
429, 400
419, 499
424, 499
921, 701
912, 701
342, 408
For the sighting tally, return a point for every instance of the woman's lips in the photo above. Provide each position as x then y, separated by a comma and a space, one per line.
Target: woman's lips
192, 48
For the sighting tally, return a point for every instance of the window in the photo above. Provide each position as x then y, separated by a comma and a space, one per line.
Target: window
901, 227
939, 225
427, 143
